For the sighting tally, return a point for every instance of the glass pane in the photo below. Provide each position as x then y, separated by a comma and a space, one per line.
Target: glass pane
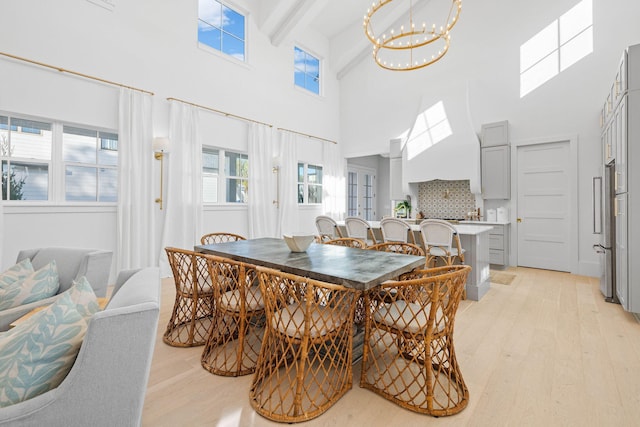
539, 46
237, 190
233, 46
312, 65
209, 35
4, 136
576, 20
298, 58
538, 74
210, 189
576, 49
300, 193
352, 194
31, 139
79, 145
27, 181
108, 149
210, 12
300, 172
315, 193
314, 174
108, 185
210, 161
312, 84
299, 78
80, 183
233, 22
236, 164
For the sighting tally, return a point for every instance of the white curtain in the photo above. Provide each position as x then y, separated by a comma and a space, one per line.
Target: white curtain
262, 182
183, 203
334, 184
288, 162
136, 227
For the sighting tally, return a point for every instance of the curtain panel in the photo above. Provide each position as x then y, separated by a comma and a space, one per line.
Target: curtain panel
262, 182
183, 202
136, 243
288, 163
334, 196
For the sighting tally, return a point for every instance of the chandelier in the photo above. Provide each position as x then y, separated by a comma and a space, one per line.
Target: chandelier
416, 44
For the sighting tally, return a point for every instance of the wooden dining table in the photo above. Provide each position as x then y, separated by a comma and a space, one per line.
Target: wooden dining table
356, 268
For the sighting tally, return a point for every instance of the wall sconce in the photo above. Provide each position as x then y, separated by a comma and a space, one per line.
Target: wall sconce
160, 146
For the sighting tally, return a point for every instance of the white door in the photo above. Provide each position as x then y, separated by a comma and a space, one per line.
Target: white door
361, 193
544, 206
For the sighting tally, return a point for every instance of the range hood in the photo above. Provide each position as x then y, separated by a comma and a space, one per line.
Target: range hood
441, 144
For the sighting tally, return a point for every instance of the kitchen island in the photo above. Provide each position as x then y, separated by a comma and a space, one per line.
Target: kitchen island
475, 241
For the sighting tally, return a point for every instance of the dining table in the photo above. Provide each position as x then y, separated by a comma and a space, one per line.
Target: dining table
360, 269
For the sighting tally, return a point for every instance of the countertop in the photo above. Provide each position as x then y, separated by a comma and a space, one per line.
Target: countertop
486, 222
470, 228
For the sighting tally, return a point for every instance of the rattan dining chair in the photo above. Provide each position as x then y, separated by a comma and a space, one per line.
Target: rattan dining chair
193, 307
212, 238
327, 228
441, 242
350, 242
360, 229
409, 357
233, 343
398, 247
396, 230
305, 364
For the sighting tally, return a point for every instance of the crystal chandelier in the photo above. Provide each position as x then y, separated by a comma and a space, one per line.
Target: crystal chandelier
416, 44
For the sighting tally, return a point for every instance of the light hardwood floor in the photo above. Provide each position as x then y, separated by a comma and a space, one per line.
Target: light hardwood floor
543, 351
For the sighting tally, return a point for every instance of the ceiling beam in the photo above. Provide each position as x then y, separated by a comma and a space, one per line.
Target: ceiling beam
299, 15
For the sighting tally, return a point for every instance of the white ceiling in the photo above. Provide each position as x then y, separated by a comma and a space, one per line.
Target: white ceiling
340, 21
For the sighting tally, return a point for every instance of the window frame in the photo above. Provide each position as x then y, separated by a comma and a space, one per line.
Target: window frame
56, 190
316, 57
306, 184
222, 177
213, 50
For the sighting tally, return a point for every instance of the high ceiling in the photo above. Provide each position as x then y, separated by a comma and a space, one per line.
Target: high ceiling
340, 21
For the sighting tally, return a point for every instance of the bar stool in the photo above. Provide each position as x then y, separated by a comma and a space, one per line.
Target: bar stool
396, 230
235, 336
212, 238
304, 365
409, 357
439, 238
360, 229
327, 228
193, 307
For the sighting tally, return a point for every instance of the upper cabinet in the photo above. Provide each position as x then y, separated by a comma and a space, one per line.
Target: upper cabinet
496, 161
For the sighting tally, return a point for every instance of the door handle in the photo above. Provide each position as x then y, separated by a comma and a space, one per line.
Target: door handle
519, 220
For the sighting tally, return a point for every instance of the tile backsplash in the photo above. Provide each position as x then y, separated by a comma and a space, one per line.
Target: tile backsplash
445, 199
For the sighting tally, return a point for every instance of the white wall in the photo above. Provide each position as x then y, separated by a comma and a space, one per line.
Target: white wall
151, 45
378, 105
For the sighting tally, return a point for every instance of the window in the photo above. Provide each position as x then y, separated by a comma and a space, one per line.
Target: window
91, 165
306, 70
25, 149
558, 46
221, 28
86, 166
234, 179
309, 178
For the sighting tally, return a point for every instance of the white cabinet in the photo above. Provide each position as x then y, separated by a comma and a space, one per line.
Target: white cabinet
495, 161
499, 245
620, 123
496, 171
622, 271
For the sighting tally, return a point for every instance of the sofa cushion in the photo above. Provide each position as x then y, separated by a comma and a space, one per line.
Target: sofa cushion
15, 273
36, 355
38, 285
82, 294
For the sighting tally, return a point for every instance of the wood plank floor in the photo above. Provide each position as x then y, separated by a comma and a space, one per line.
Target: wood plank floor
544, 350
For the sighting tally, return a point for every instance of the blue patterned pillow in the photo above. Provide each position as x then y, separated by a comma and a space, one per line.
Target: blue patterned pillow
15, 273
82, 294
38, 285
36, 356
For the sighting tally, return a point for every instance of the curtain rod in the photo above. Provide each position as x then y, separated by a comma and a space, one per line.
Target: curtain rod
224, 113
75, 73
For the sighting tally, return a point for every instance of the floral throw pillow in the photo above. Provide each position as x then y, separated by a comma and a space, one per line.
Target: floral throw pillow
38, 285
15, 273
82, 294
37, 356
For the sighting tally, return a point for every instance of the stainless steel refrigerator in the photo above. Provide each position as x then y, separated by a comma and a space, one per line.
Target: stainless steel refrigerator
604, 224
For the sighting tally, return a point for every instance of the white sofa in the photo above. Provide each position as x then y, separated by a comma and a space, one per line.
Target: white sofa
107, 383
72, 263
